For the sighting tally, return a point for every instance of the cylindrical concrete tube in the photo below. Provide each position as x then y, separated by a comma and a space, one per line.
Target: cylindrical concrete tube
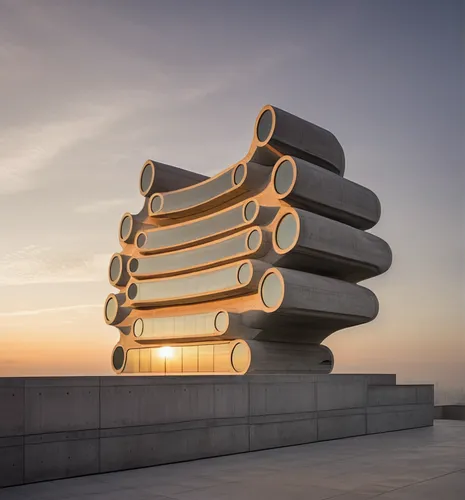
219, 324
279, 133
252, 242
279, 357
156, 176
130, 225
204, 229
293, 297
230, 280
114, 312
315, 244
234, 182
117, 270
307, 186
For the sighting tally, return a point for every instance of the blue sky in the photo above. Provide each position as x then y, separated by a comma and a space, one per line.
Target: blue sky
91, 89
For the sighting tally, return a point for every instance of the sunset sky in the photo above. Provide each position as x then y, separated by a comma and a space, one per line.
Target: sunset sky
90, 89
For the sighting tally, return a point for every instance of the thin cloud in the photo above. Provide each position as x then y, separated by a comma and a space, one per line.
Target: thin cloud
102, 206
35, 312
24, 151
34, 264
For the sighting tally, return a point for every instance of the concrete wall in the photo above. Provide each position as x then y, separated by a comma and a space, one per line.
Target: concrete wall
69, 426
450, 412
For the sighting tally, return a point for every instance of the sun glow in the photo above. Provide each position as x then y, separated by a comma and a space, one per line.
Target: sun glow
165, 352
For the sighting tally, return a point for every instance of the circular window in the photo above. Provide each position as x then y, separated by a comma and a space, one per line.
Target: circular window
138, 327
253, 240
284, 177
239, 174
250, 210
141, 240
111, 308
155, 203
221, 321
115, 268
240, 357
146, 178
133, 265
244, 273
286, 232
264, 125
126, 227
272, 290
118, 358
132, 291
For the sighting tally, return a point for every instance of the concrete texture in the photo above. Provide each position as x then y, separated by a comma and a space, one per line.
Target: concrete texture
450, 412
70, 426
181, 259
420, 464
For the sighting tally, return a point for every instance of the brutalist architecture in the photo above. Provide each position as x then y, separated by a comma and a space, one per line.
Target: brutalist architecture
250, 270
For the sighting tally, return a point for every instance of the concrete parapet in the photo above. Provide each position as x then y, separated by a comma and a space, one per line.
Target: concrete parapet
53, 428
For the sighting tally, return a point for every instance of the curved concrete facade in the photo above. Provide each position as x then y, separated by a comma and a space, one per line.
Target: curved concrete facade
250, 270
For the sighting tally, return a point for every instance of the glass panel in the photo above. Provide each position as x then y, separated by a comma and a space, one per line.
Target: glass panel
118, 358
157, 363
132, 361
234, 246
198, 194
190, 361
206, 358
250, 210
173, 357
286, 232
240, 357
196, 230
115, 268
145, 361
125, 229
284, 177
245, 273
264, 125
111, 309
185, 286
146, 178
155, 203
221, 358
272, 290
253, 240
239, 174
191, 325
221, 321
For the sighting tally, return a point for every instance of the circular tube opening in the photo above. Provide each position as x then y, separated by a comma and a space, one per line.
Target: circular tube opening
253, 240
239, 174
240, 357
132, 291
284, 177
221, 321
287, 232
125, 228
244, 273
141, 240
138, 327
111, 308
271, 290
156, 203
264, 126
133, 265
146, 178
118, 358
115, 268
250, 210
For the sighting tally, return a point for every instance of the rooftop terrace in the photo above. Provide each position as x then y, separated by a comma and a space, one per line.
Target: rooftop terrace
427, 463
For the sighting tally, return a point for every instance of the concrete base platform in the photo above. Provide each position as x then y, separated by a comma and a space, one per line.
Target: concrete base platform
61, 427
